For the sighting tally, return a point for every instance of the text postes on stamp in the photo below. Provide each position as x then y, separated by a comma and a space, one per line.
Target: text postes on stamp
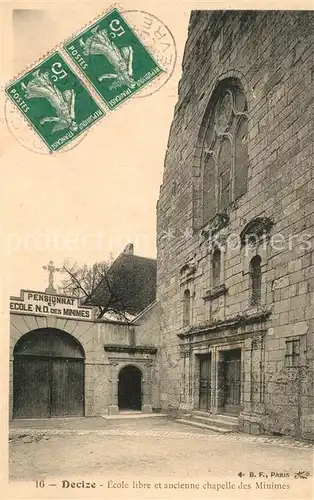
26, 135
113, 58
55, 102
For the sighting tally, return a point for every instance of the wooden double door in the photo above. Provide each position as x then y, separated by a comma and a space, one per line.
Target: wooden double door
49, 382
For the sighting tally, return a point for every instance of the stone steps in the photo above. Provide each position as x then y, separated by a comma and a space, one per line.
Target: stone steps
202, 426
217, 423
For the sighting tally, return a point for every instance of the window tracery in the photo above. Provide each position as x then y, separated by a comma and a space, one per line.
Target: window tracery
225, 151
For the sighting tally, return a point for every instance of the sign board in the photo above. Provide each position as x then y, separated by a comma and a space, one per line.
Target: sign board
45, 304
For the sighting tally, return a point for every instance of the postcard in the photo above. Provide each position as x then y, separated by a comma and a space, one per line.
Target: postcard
157, 250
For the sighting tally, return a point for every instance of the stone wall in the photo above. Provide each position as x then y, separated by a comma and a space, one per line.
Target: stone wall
271, 55
147, 331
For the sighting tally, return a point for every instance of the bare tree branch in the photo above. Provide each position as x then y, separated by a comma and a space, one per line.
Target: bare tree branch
96, 286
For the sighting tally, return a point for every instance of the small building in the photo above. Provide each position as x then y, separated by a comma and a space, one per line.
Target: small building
66, 362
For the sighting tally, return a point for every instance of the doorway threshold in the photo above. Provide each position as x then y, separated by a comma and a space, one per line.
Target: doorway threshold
132, 414
128, 412
231, 416
49, 419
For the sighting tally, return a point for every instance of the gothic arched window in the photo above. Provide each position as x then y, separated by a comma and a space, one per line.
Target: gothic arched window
186, 308
225, 149
256, 280
216, 268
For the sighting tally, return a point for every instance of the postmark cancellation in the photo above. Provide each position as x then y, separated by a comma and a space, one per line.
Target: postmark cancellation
55, 102
113, 59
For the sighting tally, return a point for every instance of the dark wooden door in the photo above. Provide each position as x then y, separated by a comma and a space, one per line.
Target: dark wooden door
31, 393
205, 382
48, 375
232, 381
48, 387
67, 387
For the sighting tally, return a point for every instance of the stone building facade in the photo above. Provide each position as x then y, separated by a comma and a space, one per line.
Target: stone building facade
235, 274
76, 366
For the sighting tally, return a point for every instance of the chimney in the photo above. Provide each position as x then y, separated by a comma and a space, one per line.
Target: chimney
129, 249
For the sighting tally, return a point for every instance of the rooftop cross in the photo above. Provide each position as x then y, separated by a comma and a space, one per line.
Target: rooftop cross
51, 269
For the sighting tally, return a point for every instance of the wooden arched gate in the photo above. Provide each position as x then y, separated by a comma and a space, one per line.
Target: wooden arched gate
48, 375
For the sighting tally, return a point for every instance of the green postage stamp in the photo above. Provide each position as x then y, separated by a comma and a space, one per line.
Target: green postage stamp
55, 102
113, 59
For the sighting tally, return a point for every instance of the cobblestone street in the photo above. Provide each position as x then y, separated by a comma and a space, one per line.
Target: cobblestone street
155, 451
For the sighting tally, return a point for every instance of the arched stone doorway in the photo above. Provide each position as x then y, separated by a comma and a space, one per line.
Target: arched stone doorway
48, 375
130, 388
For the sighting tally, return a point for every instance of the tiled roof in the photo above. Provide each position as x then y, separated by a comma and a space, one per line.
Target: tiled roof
134, 280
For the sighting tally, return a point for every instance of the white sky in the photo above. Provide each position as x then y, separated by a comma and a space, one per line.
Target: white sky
91, 201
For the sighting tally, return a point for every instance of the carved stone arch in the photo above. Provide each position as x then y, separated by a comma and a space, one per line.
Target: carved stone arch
130, 363
237, 76
222, 112
49, 342
233, 79
255, 230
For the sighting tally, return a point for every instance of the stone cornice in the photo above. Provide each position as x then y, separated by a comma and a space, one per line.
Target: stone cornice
232, 323
130, 348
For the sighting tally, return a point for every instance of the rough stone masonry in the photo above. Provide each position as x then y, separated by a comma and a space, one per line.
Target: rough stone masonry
236, 224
